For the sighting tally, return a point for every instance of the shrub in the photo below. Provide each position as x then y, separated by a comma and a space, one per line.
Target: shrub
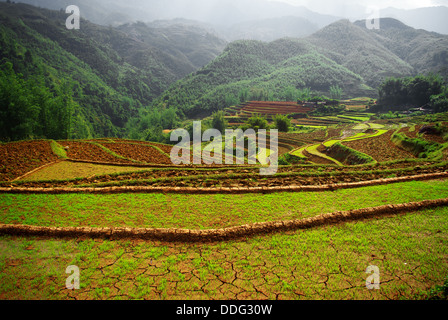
282, 123
58, 150
439, 292
348, 155
287, 159
420, 148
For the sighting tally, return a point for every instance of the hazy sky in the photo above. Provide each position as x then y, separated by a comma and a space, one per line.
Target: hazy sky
341, 7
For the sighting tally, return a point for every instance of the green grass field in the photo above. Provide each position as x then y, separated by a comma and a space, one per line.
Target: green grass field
201, 211
72, 170
323, 263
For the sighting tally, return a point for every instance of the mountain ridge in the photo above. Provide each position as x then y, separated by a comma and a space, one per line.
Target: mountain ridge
343, 53
115, 73
112, 75
225, 14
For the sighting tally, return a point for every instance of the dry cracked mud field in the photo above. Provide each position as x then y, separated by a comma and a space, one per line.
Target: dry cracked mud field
322, 263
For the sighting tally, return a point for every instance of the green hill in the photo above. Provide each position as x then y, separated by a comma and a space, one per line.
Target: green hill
344, 54
425, 51
359, 50
109, 74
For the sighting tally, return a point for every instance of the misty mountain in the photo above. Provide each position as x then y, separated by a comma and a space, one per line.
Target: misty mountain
187, 42
424, 51
234, 19
112, 73
227, 19
361, 51
219, 13
430, 19
343, 53
270, 29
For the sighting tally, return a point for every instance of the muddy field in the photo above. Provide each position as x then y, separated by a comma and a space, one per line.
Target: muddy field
380, 148
139, 152
18, 158
245, 177
320, 261
90, 152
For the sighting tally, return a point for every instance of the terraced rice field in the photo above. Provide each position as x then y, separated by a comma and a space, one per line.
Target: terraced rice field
272, 108
95, 207
18, 158
300, 114
380, 148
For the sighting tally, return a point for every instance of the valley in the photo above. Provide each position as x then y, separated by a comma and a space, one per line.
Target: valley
357, 132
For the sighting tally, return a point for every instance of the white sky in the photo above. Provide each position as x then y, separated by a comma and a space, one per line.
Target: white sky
336, 7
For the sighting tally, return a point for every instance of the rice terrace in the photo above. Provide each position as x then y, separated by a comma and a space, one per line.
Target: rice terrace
231, 152
346, 196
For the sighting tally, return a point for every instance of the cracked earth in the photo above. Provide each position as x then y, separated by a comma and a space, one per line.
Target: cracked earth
307, 264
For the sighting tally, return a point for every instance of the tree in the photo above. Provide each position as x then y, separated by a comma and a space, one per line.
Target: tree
304, 94
290, 94
257, 122
393, 91
336, 92
243, 95
282, 123
230, 100
18, 113
258, 94
417, 91
169, 118
421, 88
219, 122
439, 103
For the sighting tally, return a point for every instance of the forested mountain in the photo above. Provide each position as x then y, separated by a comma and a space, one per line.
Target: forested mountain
108, 73
359, 50
268, 68
424, 51
185, 41
61, 83
344, 54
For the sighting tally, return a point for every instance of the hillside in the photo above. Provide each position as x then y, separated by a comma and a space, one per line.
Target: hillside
270, 67
343, 53
425, 51
187, 42
109, 73
359, 50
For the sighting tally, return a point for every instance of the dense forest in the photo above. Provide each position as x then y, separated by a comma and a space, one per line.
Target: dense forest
30, 109
108, 73
401, 94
